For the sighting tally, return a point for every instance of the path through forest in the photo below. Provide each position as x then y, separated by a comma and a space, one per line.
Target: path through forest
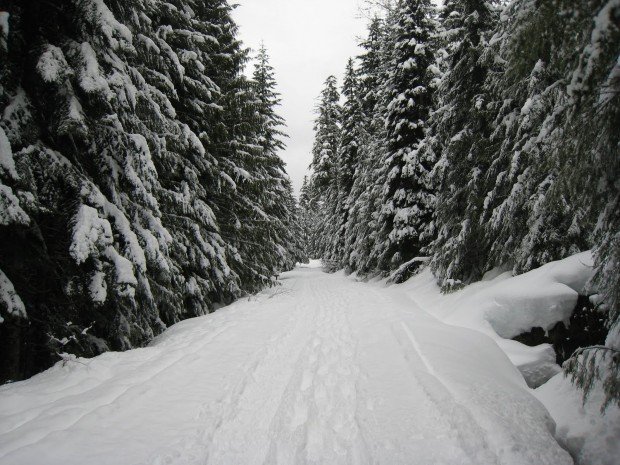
322, 370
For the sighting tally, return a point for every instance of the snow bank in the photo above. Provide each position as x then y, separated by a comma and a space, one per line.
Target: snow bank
591, 438
503, 306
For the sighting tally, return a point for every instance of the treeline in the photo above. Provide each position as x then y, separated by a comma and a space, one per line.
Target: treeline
140, 182
482, 135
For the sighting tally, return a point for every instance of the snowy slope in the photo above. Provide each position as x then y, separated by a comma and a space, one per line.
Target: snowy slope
503, 305
323, 370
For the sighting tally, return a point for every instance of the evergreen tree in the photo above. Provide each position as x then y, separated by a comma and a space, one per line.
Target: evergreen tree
592, 171
325, 177
462, 128
364, 196
274, 189
407, 197
123, 128
309, 220
347, 161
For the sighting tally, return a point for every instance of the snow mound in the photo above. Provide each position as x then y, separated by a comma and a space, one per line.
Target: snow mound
591, 438
504, 306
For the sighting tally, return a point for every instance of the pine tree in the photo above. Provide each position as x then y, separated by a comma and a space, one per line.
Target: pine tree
462, 127
590, 153
274, 189
365, 191
347, 162
309, 220
123, 130
407, 197
325, 178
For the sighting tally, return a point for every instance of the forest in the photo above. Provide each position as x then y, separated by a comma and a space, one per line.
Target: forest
443, 289
141, 182
482, 136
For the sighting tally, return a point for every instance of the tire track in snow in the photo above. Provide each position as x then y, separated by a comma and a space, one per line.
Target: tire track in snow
240, 436
316, 421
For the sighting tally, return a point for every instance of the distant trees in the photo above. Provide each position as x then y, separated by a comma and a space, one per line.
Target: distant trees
140, 182
487, 137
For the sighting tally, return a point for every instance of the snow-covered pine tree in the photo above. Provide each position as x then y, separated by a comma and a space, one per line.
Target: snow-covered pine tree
309, 219
113, 122
365, 192
187, 39
347, 161
407, 197
325, 178
528, 220
234, 140
273, 187
119, 249
459, 251
592, 171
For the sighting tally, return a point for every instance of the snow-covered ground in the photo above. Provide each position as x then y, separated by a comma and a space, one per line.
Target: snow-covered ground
323, 370
503, 305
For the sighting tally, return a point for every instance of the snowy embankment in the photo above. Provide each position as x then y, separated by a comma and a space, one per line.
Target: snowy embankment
502, 307
323, 370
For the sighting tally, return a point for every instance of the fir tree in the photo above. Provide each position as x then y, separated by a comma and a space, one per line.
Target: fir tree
462, 129
365, 191
325, 178
347, 161
407, 197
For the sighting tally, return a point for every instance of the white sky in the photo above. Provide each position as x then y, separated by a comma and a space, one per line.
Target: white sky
307, 40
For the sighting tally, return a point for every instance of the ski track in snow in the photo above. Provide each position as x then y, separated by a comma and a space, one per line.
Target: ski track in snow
324, 370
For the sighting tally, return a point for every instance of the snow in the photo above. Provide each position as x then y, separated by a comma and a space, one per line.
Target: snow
502, 306
4, 23
98, 288
507, 306
52, 65
313, 263
90, 234
10, 302
118, 35
92, 237
321, 370
121, 224
591, 438
7, 164
123, 267
91, 79
10, 210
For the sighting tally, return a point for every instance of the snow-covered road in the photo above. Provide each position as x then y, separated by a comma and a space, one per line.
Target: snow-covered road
323, 370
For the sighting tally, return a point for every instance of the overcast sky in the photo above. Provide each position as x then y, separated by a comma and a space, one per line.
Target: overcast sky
308, 40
